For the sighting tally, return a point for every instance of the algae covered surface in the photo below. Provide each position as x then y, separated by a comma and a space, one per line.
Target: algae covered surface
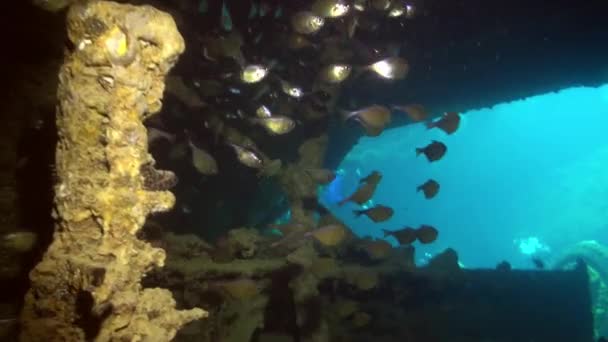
111, 80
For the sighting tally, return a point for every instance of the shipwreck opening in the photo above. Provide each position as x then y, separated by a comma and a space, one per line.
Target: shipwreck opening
245, 243
520, 180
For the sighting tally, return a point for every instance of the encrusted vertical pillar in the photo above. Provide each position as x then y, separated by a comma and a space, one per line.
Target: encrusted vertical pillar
87, 287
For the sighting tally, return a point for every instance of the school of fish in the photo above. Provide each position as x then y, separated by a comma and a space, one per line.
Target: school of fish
263, 77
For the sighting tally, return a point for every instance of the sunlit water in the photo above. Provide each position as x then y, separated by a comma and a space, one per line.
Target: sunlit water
521, 179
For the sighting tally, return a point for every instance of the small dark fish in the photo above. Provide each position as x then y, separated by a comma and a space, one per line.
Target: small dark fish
312, 204
538, 263
378, 213
229, 46
430, 188
448, 123
426, 234
254, 10
405, 236
433, 151
203, 161
226, 18
503, 266
415, 112
330, 235
363, 194
247, 157
373, 177
278, 12
373, 118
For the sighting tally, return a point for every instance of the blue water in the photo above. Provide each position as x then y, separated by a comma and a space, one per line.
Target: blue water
520, 179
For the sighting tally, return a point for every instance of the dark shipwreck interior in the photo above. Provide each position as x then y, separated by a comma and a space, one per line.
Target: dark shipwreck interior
251, 283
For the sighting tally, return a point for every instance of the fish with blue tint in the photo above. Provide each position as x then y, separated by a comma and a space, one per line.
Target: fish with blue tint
226, 18
254, 10
448, 123
433, 151
278, 12
378, 213
538, 263
262, 8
